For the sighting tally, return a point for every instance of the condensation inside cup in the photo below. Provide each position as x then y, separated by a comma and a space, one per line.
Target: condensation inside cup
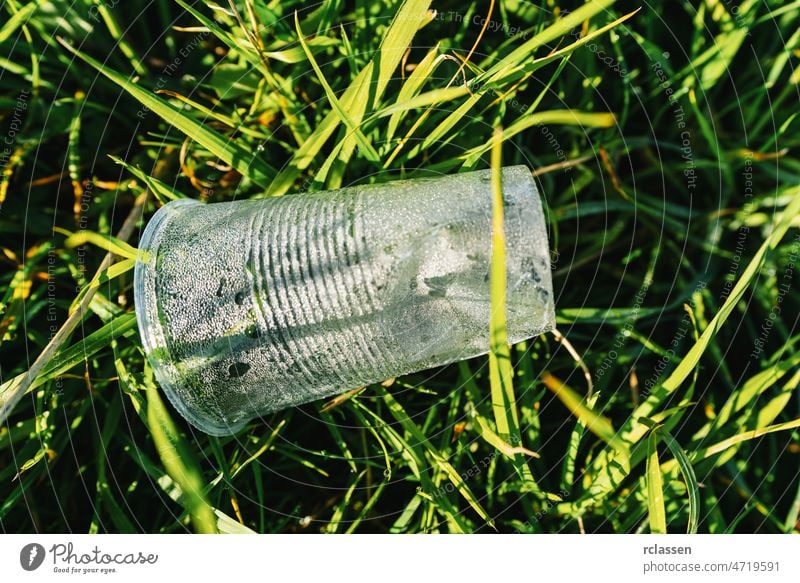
253, 306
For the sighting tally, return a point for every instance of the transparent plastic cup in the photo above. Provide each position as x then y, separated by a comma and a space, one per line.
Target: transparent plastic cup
249, 307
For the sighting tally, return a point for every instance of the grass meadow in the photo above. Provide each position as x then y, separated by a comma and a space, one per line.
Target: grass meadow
663, 137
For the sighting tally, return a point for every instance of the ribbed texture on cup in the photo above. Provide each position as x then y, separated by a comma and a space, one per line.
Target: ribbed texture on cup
314, 291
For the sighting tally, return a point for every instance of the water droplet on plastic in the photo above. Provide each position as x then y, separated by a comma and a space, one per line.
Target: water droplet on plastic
238, 369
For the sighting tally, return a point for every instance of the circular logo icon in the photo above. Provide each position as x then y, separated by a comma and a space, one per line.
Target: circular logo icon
31, 556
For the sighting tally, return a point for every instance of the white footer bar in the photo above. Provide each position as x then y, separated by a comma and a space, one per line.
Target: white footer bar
447, 558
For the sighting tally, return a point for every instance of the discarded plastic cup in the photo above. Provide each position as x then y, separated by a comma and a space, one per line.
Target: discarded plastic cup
253, 306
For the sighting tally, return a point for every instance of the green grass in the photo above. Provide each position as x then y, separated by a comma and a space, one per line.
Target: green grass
665, 148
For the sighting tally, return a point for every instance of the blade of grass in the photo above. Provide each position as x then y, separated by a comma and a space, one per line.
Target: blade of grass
490, 437
510, 74
294, 55
453, 476
16, 20
262, 446
412, 86
559, 28
716, 448
569, 117
749, 391
427, 99
116, 32
606, 476
211, 114
363, 92
692, 488
690, 361
501, 371
227, 525
163, 192
246, 163
655, 487
513, 62
105, 494
105, 242
14, 394
63, 361
247, 51
101, 277
353, 128
367, 507
596, 423
571, 456
179, 462
416, 462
